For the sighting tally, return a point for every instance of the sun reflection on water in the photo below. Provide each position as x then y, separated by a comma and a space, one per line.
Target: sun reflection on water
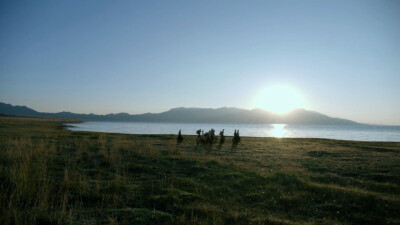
278, 130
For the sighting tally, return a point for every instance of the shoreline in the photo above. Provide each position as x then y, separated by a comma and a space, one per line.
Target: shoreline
150, 179
77, 128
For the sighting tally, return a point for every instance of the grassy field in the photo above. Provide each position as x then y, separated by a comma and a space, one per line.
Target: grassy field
49, 175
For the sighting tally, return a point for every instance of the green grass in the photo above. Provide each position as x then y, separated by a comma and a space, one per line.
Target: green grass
49, 175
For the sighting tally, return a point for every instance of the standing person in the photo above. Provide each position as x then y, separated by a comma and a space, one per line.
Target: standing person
198, 140
222, 137
236, 138
180, 138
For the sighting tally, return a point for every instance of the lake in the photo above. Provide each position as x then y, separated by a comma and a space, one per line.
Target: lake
341, 132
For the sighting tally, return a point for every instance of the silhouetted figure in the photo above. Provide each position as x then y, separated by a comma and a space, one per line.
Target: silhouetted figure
180, 138
222, 137
211, 136
198, 140
236, 137
214, 138
207, 137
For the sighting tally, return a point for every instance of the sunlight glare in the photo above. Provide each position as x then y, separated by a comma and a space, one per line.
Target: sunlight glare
278, 130
279, 99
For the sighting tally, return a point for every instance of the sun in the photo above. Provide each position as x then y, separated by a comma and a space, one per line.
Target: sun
279, 99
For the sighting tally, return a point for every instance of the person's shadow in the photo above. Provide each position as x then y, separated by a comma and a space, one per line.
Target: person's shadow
219, 146
234, 145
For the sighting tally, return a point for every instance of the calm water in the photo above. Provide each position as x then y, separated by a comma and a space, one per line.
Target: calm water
347, 132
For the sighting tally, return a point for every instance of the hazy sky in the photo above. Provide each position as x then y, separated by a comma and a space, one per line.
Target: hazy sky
342, 57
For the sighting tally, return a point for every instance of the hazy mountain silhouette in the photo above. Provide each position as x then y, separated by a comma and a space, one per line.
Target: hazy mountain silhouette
192, 115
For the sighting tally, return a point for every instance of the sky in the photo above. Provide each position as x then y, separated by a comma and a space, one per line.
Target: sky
341, 58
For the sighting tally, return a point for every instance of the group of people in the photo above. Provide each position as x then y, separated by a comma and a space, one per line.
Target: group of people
236, 137
210, 137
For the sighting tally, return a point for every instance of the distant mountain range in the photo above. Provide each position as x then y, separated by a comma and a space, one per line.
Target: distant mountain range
192, 115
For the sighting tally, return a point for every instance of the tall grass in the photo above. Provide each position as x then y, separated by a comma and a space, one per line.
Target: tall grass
40, 184
51, 176
26, 191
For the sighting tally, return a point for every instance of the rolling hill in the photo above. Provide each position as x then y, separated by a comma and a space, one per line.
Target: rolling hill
192, 115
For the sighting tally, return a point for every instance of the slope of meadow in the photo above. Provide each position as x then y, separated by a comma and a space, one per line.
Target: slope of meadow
49, 175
